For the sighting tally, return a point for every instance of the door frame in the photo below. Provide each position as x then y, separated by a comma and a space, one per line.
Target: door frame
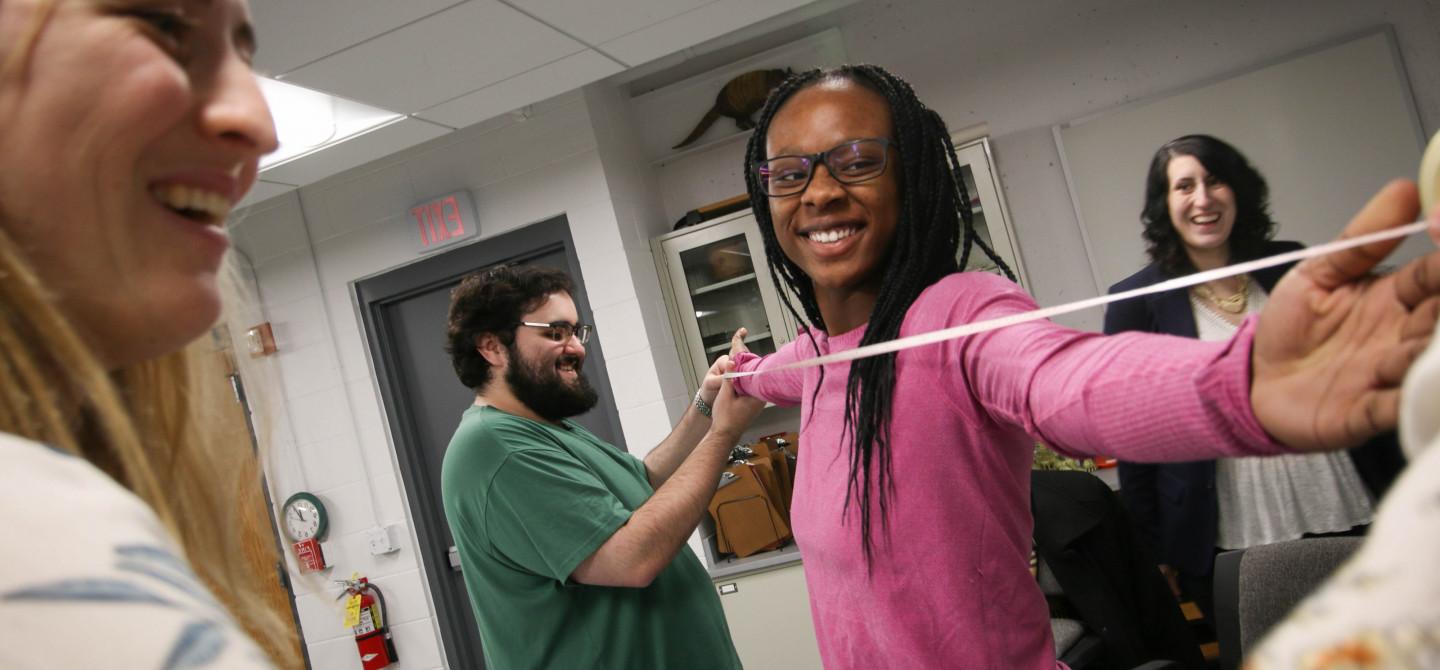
282, 574
374, 295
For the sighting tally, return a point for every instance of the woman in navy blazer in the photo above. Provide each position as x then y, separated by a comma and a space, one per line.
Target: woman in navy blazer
1220, 201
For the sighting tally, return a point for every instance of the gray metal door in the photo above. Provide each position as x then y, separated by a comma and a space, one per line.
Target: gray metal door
404, 316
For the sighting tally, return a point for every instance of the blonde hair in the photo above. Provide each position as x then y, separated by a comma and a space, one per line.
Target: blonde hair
151, 427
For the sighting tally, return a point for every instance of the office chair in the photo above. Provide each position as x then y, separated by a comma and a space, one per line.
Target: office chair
1255, 588
1090, 550
1075, 645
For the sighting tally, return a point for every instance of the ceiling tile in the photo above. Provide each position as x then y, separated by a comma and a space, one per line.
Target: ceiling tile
433, 60
294, 33
543, 82
357, 150
597, 22
263, 190
691, 28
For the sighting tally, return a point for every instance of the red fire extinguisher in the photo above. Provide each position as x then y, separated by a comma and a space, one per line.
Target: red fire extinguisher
372, 638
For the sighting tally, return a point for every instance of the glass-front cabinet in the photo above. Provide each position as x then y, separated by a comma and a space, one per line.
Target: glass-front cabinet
716, 281
992, 218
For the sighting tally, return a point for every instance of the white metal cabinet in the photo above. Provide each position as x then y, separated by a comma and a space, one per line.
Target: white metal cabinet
769, 617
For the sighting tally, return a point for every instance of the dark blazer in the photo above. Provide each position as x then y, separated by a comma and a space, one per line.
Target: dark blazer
1174, 504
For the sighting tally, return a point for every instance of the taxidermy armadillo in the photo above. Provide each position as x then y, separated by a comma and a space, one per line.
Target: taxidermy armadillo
742, 96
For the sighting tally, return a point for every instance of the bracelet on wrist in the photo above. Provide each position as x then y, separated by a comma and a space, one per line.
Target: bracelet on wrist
702, 406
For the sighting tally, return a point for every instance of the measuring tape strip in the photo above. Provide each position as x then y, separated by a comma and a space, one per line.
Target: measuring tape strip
957, 332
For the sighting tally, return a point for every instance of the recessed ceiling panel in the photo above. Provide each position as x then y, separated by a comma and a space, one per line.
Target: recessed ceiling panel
357, 150
439, 58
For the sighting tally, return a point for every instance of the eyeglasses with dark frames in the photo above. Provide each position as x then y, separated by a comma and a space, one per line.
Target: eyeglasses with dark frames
849, 163
560, 331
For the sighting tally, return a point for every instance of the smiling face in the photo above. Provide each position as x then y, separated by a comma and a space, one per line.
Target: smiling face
839, 234
545, 374
130, 128
1202, 208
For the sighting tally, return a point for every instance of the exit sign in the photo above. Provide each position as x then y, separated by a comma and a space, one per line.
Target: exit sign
443, 221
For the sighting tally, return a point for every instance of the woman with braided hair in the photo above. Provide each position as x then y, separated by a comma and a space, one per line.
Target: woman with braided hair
912, 504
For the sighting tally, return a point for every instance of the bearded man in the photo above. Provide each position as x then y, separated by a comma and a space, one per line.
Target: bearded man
574, 551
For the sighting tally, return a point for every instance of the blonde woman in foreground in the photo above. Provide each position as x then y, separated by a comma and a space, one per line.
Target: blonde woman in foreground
129, 128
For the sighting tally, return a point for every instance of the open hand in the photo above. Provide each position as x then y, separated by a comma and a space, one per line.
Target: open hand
1334, 342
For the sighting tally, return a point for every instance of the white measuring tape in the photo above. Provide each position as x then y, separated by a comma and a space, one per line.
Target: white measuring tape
957, 332
1429, 191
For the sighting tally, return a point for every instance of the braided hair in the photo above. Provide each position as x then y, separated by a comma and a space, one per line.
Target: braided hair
933, 204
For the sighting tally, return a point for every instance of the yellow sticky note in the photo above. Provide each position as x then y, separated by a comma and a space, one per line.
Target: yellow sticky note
352, 611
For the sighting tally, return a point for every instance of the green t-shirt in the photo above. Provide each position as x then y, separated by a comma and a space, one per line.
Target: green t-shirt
527, 502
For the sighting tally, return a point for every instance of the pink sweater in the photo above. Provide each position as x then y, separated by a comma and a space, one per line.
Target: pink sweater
951, 585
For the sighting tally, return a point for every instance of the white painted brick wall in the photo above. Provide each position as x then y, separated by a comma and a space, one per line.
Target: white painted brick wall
531, 172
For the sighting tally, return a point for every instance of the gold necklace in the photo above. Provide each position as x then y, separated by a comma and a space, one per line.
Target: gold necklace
1234, 304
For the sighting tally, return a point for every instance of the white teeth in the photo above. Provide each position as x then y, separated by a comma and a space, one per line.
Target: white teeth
832, 235
1208, 218
178, 197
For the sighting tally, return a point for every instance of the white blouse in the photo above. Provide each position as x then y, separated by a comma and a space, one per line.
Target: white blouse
1276, 498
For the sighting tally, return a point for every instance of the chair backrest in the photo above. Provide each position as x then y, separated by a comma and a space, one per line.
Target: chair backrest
1085, 539
1255, 588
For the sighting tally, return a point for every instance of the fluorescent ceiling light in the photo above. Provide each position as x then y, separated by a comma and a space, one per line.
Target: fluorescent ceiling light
307, 121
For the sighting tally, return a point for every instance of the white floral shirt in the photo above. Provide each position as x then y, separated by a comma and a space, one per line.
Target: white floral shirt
1381, 610
89, 578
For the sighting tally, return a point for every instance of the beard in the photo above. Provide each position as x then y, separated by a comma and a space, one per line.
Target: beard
541, 388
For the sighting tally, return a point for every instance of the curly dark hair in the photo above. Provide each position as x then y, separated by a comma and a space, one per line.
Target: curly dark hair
936, 220
1253, 225
492, 301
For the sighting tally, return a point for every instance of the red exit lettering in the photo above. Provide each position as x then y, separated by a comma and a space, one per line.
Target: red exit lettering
438, 221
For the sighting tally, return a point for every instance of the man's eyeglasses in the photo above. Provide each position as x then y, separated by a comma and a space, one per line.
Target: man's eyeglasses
560, 331
849, 163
